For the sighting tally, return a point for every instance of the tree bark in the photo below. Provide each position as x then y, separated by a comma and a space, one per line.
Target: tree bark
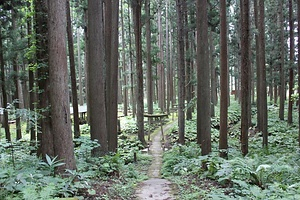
44, 136
32, 94
59, 92
203, 80
213, 82
188, 61
223, 143
282, 73
258, 72
149, 64
132, 79
73, 72
181, 72
96, 78
263, 89
160, 65
125, 86
136, 5
245, 63
172, 90
168, 66
291, 63
79, 68
111, 59
4, 94
16, 79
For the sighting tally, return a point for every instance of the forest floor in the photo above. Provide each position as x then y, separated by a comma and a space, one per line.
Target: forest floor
156, 188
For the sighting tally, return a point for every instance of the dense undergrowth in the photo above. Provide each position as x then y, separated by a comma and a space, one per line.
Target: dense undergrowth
272, 173
24, 176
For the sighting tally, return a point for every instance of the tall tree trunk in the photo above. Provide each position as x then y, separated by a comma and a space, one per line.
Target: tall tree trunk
212, 75
125, 90
32, 94
168, 66
263, 89
291, 63
16, 78
44, 136
223, 143
73, 72
136, 5
282, 74
188, 66
245, 46
86, 66
111, 55
160, 65
79, 68
258, 72
172, 90
203, 80
181, 72
132, 88
149, 64
96, 78
4, 94
59, 92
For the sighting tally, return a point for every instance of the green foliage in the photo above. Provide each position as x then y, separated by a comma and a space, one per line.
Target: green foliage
51, 163
271, 173
31, 178
85, 129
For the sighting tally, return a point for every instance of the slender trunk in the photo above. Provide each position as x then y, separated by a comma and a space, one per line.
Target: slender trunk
258, 72
203, 79
125, 90
168, 58
132, 88
223, 143
275, 93
16, 80
149, 64
245, 74
291, 63
86, 66
262, 65
212, 75
79, 68
4, 94
181, 73
136, 5
282, 73
172, 93
188, 68
160, 66
44, 136
73, 72
32, 95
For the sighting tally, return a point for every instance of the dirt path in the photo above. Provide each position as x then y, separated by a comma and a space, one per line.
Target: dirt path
155, 188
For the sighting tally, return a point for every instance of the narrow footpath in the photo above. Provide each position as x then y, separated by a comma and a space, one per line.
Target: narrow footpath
155, 188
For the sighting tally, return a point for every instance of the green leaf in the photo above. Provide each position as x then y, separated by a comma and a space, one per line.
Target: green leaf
49, 161
91, 191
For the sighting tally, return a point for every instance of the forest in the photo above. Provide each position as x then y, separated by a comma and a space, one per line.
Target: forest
149, 99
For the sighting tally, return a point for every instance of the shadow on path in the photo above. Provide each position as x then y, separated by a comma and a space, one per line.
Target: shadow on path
156, 188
